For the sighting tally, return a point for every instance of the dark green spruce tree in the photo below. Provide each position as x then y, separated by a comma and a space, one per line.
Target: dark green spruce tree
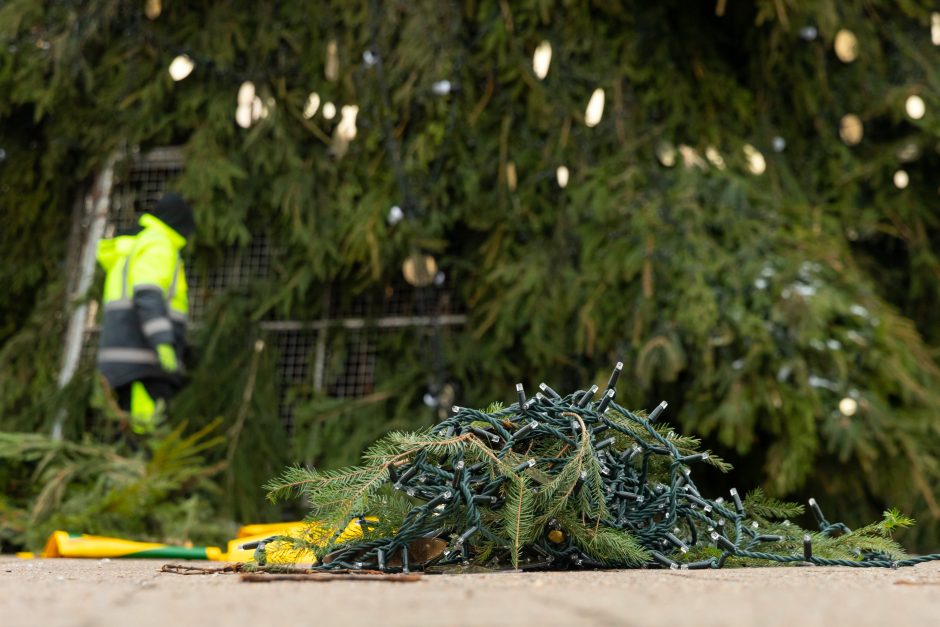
746, 216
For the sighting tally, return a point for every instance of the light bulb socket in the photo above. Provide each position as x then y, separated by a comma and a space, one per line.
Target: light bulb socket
665, 561
627, 456
380, 558
587, 397
656, 412
549, 391
482, 499
612, 382
817, 513
700, 565
529, 463
604, 444
738, 505
697, 500
465, 536
723, 542
405, 478
458, 474
525, 430
437, 500
486, 436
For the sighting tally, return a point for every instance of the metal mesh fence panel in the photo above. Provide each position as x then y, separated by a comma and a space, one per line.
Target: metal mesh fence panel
336, 355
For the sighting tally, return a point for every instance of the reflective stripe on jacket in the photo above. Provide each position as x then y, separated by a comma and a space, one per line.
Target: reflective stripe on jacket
145, 302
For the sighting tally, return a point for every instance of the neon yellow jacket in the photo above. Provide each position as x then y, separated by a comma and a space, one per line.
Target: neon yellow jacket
145, 302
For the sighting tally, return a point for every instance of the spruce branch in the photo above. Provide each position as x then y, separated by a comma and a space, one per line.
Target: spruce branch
560, 482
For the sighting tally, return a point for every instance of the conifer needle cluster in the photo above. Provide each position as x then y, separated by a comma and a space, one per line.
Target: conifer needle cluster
558, 482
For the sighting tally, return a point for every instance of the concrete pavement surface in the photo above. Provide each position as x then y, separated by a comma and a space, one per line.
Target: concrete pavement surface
133, 593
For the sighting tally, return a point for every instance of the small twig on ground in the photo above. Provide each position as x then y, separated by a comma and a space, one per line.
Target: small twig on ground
910, 582
183, 569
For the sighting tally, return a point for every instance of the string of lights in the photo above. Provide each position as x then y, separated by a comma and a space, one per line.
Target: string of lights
556, 467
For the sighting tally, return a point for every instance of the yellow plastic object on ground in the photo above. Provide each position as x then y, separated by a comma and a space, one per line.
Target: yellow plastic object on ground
281, 551
64, 544
248, 531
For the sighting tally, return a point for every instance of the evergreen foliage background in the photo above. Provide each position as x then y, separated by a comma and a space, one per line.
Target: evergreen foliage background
753, 303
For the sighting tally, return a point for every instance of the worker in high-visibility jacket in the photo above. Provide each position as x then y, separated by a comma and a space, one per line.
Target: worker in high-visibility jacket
143, 330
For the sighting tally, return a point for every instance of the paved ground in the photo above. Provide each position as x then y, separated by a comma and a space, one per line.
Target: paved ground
132, 593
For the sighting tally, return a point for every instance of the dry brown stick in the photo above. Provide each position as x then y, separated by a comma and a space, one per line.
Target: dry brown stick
183, 569
253, 577
909, 582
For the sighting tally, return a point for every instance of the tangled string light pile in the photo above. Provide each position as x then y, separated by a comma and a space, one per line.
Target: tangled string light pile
558, 482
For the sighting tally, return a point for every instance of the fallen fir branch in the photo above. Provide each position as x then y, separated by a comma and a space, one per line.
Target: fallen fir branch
560, 482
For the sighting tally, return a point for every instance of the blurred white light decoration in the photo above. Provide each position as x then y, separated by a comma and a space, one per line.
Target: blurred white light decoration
430, 400
395, 215
257, 109
332, 61
808, 33
511, 178
346, 128
243, 116
935, 28
561, 175
152, 9
901, 179
755, 159
246, 93
439, 278
370, 58
851, 130
690, 157
246, 98
846, 46
181, 67
313, 103
848, 406
666, 153
442, 88
329, 110
714, 157
595, 108
908, 152
542, 59
915, 107
779, 144
419, 270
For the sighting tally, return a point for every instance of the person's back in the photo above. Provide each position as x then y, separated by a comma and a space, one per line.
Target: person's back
145, 307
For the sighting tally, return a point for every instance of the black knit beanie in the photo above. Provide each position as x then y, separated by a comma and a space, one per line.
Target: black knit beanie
176, 213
